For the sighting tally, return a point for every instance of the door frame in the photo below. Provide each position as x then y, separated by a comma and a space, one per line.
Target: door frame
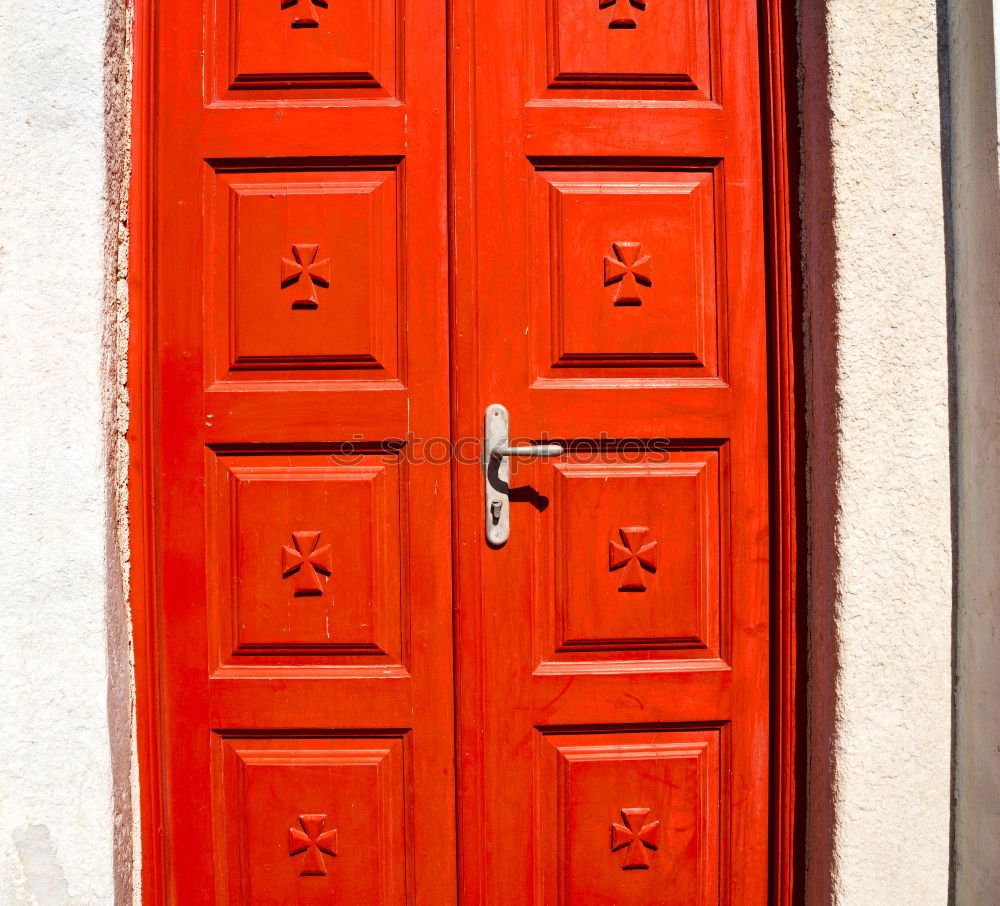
786, 405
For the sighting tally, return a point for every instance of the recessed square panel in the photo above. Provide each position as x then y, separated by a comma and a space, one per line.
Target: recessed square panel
637, 559
310, 821
306, 555
628, 276
631, 44
297, 48
305, 273
629, 816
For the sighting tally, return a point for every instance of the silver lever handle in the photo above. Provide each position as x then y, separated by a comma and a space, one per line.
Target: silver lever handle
496, 470
531, 450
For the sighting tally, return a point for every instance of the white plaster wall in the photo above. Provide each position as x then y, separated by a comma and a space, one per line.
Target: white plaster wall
58, 594
976, 226
880, 534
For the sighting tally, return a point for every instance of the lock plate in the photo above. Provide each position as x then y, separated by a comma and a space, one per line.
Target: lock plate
496, 473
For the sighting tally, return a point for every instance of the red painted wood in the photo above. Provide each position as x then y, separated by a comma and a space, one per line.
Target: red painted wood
788, 757
618, 736
142, 574
302, 564
595, 686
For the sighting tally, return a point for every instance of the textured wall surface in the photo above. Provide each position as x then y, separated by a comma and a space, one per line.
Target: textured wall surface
878, 372
64, 721
976, 219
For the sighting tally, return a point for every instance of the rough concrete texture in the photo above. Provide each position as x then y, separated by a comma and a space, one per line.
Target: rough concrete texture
976, 280
115, 406
64, 704
880, 533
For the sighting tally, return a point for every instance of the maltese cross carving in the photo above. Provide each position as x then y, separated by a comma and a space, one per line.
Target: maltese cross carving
632, 557
304, 270
305, 15
628, 272
313, 841
622, 16
306, 562
635, 836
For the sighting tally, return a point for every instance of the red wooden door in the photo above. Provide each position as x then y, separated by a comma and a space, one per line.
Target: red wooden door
304, 571
328, 608
614, 654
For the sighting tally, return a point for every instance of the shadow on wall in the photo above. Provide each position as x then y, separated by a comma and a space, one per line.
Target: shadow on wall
819, 256
975, 222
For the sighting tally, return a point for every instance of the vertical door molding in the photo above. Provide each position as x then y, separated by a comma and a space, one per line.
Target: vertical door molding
151, 845
784, 275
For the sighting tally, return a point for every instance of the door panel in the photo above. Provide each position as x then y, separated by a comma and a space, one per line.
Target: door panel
355, 615
670, 831
334, 230
631, 567
583, 228
609, 292
624, 46
355, 850
303, 562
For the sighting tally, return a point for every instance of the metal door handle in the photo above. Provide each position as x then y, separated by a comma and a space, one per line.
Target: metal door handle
530, 450
496, 470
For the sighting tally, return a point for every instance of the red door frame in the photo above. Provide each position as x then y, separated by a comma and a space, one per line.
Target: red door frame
778, 90
779, 95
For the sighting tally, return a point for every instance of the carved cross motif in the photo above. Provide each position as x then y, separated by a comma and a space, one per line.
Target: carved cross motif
622, 15
629, 271
304, 266
306, 561
305, 15
634, 556
313, 841
637, 835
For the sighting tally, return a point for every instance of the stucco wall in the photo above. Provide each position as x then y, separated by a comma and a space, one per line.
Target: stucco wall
878, 373
64, 654
976, 220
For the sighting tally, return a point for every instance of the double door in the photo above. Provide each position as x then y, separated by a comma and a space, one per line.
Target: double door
392, 667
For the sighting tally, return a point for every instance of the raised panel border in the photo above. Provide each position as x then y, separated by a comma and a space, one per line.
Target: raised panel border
707, 367
226, 81
389, 747
702, 642
390, 657
554, 653
613, 742
691, 87
388, 363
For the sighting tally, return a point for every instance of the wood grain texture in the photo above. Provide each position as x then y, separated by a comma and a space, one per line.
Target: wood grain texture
680, 173
295, 676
